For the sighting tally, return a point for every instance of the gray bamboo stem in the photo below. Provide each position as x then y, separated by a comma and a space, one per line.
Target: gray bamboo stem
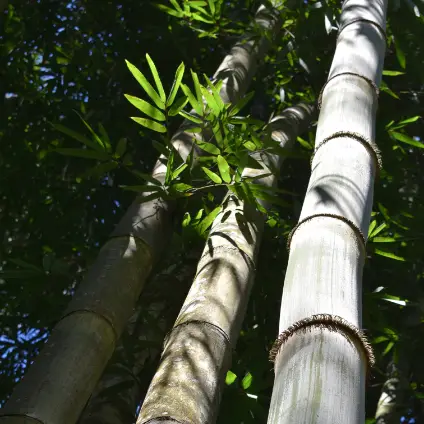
320, 371
59, 383
197, 353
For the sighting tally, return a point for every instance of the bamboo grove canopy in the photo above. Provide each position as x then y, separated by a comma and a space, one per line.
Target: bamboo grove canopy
72, 162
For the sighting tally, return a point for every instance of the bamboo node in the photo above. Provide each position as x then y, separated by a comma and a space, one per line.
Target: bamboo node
369, 145
351, 224
369, 21
366, 79
333, 323
199, 323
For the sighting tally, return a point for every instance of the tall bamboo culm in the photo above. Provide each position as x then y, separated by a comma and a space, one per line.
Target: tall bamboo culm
197, 353
321, 356
59, 383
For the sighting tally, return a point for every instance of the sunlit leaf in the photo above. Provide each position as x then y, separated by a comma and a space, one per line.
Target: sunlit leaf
224, 169
389, 255
230, 378
388, 73
208, 220
247, 381
178, 106
175, 85
213, 177
142, 80
209, 147
406, 139
196, 105
146, 108
152, 125
156, 77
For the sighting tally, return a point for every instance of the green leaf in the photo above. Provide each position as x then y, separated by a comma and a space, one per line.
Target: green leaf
230, 378
152, 125
95, 136
77, 136
210, 100
389, 255
101, 169
224, 169
156, 77
212, 6
378, 230
388, 348
175, 85
209, 219
400, 54
178, 106
142, 188
105, 138
191, 117
197, 86
182, 187
176, 5
146, 108
213, 177
197, 106
380, 339
209, 147
247, 381
241, 104
392, 73
409, 120
169, 167
384, 240
178, 171
169, 11
82, 153
200, 18
406, 139
141, 79
215, 89
121, 147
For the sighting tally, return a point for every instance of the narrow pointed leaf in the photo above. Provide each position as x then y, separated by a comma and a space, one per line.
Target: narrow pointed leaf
82, 153
191, 117
389, 255
178, 106
95, 136
146, 108
213, 177
121, 147
209, 147
197, 86
406, 139
197, 106
169, 11
224, 169
156, 77
212, 6
76, 136
178, 171
241, 104
152, 125
175, 85
105, 138
208, 220
210, 101
142, 80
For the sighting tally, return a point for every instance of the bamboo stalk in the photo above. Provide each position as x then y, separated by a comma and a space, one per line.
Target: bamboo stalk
59, 383
197, 353
321, 356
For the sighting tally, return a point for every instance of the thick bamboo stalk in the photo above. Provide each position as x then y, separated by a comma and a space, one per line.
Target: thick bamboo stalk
197, 352
127, 376
321, 355
57, 386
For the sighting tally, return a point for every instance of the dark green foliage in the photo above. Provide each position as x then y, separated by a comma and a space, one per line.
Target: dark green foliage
62, 175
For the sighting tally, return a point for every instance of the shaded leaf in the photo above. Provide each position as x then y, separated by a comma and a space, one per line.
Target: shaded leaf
82, 153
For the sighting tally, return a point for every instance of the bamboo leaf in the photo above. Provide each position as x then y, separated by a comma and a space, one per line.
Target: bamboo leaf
191, 117
179, 73
209, 219
152, 125
105, 138
142, 188
121, 147
400, 54
224, 169
142, 80
95, 136
209, 147
169, 11
197, 86
247, 381
380, 228
212, 176
212, 6
406, 139
384, 240
76, 136
160, 148
146, 108
146, 177
230, 378
178, 106
82, 153
178, 171
389, 255
156, 77
101, 169
210, 101
388, 73
388, 348
197, 106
